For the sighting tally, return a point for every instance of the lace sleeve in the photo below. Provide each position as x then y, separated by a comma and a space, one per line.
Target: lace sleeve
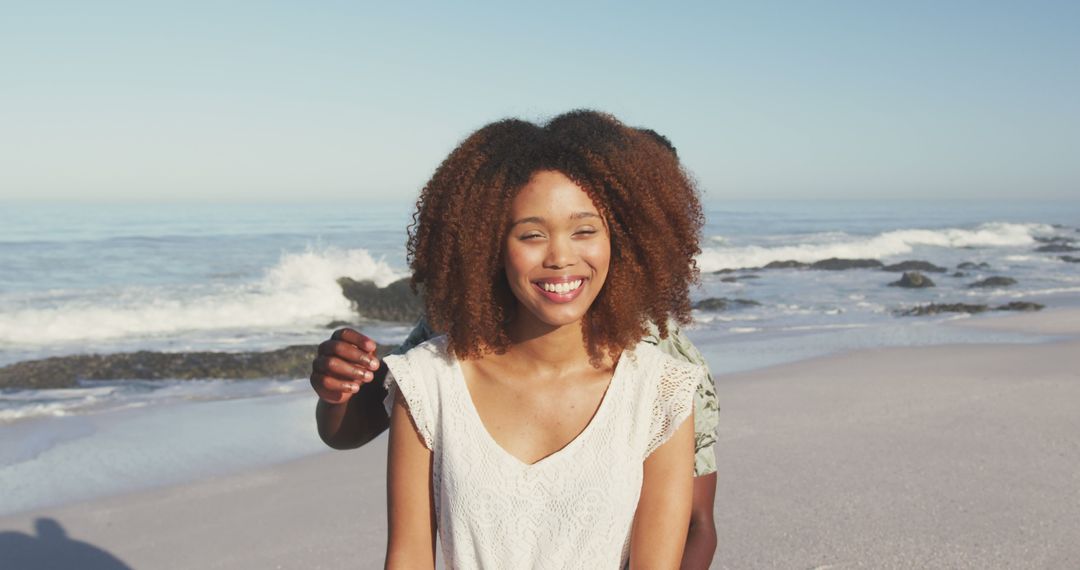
401, 377
674, 401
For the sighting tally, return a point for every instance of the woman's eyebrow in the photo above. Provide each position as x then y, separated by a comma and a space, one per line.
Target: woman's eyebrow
539, 220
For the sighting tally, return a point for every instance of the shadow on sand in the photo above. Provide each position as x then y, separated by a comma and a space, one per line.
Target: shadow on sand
52, 549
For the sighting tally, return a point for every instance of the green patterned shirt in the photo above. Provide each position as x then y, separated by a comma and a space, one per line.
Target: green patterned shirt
706, 407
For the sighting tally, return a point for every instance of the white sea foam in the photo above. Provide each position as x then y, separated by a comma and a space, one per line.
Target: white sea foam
97, 397
846, 246
1035, 258
1022, 293
301, 289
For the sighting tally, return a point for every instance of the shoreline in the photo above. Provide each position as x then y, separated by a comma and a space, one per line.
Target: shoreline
946, 456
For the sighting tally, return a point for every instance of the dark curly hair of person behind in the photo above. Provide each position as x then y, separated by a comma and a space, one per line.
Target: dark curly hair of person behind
649, 204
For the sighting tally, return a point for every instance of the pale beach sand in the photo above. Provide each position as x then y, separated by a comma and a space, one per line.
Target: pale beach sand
964, 456
942, 457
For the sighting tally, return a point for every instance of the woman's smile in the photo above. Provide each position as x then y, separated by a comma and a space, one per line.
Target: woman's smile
562, 289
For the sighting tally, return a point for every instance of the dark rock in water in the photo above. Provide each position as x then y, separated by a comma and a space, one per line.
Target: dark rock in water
973, 265
915, 266
1055, 239
338, 324
1020, 306
395, 302
936, 308
723, 303
1069, 258
913, 280
994, 282
959, 274
738, 278
1057, 248
837, 264
789, 264
67, 371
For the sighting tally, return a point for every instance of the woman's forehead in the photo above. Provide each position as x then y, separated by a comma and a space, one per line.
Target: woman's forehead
552, 195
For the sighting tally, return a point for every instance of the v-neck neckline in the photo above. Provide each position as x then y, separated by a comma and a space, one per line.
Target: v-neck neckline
478, 422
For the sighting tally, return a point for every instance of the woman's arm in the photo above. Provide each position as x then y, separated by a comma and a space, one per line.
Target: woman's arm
410, 499
663, 512
701, 541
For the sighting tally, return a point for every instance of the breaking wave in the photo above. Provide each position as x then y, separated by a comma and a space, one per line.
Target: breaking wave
886, 244
301, 289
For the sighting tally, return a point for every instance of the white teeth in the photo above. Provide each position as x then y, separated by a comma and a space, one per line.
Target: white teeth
561, 288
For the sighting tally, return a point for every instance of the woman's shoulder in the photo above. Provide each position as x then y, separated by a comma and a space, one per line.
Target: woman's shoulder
432, 352
424, 369
663, 388
420, 376
650, 360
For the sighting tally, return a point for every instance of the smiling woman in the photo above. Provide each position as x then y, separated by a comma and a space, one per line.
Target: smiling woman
543, 253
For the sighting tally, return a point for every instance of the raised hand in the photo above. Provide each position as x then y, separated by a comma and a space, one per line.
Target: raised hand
343, 363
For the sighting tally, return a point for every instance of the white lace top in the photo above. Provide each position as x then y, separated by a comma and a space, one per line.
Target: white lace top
572, 509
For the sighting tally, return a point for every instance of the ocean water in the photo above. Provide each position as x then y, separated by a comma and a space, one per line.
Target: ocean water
117, 278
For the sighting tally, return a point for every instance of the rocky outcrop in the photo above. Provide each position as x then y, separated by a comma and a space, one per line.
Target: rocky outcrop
973, 265
913, 280
915, 265
789, 264
831, 264
395, 302
1057, 248
723, 303
937, 308
1020, 306
338, 324
67, 371
1055, 239
1069, 258
993, 282
738, 278
837, 264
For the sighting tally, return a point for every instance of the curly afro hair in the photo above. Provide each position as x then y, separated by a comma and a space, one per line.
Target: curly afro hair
650, 205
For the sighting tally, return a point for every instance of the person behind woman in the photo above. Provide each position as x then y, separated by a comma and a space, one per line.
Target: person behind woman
539, 431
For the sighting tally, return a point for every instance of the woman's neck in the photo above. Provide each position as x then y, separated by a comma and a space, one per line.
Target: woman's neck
551, 348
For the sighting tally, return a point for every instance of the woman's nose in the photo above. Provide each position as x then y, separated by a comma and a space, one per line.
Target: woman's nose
560, 253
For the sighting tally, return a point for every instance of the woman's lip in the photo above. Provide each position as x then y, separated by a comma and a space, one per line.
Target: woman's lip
566, 279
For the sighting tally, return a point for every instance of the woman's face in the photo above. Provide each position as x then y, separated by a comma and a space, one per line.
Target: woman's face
557, 251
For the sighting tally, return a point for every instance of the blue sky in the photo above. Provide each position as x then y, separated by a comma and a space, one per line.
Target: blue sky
283, 101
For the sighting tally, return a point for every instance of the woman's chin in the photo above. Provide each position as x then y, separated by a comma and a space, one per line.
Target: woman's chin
554, 320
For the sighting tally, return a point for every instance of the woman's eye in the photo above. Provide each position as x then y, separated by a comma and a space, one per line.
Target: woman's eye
531, 236
585, 232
